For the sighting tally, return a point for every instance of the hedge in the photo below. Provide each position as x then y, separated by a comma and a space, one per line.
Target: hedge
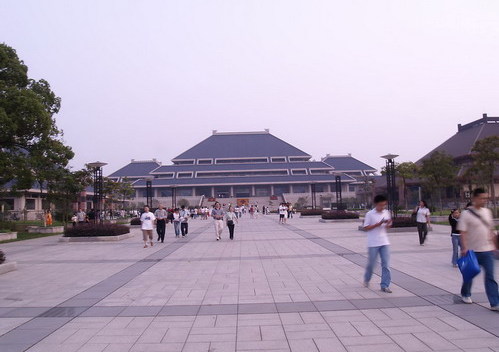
339, 214
91, 230
2, 257
310, 212
135, 221
403, 222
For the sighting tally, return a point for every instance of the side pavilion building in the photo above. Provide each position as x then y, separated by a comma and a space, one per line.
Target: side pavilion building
238, 168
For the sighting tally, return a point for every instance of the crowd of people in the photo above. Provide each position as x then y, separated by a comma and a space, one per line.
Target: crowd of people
471, 230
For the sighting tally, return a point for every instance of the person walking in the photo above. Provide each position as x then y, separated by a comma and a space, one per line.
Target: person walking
81, 217
283, 212
376, 222
475, 226
422, 221
176, 222
217, 213
184, 218
455, 235
147, 219
161, 217
231, 217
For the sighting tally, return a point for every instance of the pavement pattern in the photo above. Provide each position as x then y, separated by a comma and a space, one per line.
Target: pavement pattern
293, 287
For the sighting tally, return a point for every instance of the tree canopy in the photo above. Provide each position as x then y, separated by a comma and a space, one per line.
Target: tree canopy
31, 145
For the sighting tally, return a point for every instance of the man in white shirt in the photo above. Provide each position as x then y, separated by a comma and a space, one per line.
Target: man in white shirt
376, 222
147, 219
475, 226
283, 211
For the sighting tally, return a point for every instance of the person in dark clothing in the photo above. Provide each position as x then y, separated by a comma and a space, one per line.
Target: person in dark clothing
455, 235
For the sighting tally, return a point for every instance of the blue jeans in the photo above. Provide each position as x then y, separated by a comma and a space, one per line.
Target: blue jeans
384, 253
486, 261
456, 243
176, 227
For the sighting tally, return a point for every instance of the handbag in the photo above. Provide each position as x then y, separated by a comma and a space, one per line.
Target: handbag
468, 265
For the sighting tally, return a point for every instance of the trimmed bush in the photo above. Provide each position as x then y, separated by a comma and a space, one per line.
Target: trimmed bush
2, 257
339, 214
310, 212
93, 230
403, 222
135, 221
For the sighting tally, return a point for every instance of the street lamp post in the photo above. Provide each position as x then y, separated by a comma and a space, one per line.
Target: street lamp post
149, 180
174, 197
314, 194
390, 183
339, 199
98, 185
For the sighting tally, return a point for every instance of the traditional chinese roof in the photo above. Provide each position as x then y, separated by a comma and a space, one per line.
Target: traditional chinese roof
241, 145
140, 168
347, 163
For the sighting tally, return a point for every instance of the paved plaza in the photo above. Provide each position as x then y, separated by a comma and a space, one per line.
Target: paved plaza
293, 287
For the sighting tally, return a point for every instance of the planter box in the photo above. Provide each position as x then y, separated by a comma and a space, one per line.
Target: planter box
48, 229
310, 216
340, 220
5, 236
399, 229
6, 267
97, 238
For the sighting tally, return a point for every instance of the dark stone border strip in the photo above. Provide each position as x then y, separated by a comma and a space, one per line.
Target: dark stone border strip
473, 313
49, 320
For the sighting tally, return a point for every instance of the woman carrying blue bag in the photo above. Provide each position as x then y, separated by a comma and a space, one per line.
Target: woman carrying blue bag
475, 226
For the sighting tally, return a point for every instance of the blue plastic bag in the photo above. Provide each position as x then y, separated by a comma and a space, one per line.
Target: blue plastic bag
468, 264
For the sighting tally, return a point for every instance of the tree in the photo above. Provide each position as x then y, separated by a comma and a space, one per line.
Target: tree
438, 172
125, 191
485, 161
30, 142
405, 171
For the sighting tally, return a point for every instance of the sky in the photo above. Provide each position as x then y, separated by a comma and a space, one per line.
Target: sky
150, 79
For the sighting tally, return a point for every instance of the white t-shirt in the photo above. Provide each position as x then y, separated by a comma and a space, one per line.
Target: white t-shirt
478, 236
283, 210
147, 221
377, 236
422, 213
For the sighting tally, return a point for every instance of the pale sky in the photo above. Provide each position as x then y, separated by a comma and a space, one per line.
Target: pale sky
150, 79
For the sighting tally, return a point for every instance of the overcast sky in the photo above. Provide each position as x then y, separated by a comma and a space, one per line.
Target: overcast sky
150, 79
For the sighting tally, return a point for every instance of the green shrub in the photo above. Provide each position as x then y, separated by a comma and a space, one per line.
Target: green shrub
2, 257
403, 221
135, 221
91, 230
311, 212
339, 214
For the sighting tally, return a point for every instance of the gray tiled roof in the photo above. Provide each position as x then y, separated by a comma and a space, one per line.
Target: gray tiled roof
209, 181
462, 142
347, 163
253, 166
241, 145
136, 168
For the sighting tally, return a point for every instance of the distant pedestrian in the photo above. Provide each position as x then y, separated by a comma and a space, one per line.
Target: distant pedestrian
376, 222
283, 212
217, 213
81, 217
147, 219
422, 221
176, 222
48, 218
231, 218
74, 220
455, 235
161, 217
184, 218
475, 225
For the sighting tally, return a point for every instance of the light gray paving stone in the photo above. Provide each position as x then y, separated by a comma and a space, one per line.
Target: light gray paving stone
303, 345
410, 343
434, 340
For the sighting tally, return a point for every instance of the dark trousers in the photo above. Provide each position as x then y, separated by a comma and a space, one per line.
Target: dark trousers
231, 230
422, 231
486, 261
161, 229
184, 228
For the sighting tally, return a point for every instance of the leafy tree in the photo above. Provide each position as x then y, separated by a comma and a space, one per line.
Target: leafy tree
30, 142
125, 191
438, 172
406, 171
485, 161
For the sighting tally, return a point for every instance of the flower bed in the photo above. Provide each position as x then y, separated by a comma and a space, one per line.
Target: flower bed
135, 221
96, 230
310, 212
339, 215
2, 257
403, 222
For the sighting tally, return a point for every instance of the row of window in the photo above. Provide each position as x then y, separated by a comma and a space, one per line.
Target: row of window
241, 191
294, 172
274, 159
